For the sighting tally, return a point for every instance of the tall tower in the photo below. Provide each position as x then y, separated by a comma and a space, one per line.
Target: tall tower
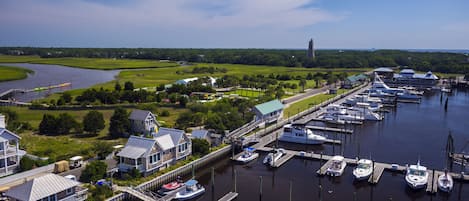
311, 49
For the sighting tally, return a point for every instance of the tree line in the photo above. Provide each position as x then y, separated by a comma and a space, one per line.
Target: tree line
423, 61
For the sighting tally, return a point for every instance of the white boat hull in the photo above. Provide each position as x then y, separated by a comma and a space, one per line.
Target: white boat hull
301, 140
445, 183
271, 158
182, 195
416, 183
361, 174
336, 172
244, 159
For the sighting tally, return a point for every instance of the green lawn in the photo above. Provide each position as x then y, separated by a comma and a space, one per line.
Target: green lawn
246, 93
60, 147
8, 73
302, 105
90, 63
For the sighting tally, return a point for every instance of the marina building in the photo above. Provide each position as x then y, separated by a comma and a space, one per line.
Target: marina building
269, 111
407, 77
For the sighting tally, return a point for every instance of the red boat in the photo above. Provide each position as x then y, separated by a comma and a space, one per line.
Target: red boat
172, 186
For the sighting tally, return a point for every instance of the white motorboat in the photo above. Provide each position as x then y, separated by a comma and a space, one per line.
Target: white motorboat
445, 182
379, 85
274, 156
192, 189
363, 170
412, 90
337, 166
337, 113
446, 90
373, 102
298, 133
417, 176
363, 110
248, 155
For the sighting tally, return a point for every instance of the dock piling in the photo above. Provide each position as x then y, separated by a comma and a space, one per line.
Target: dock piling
290, 189
260, 187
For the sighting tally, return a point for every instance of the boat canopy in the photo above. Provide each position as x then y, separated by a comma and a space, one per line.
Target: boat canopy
337, 158
191, 182
251, 149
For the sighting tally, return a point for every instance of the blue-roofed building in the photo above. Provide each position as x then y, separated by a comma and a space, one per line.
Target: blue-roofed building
149, 155
269, 111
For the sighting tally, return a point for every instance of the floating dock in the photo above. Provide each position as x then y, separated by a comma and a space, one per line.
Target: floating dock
229, 196
432, 183
323, 169
377, 172
338, 130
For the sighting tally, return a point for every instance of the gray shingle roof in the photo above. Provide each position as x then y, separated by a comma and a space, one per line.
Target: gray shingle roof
199, 134
175, 134
41, 187
139, 114
269, 107
137, 147
4, 131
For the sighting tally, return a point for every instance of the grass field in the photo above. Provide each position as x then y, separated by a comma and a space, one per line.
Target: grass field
90, 63
299, 106
8, 73
60, 147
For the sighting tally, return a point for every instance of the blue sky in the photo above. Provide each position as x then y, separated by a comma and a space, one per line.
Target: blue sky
381, 24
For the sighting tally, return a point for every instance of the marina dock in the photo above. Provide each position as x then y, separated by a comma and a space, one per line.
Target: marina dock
432, 185
377, 172
229, 196
323, 169
338, 130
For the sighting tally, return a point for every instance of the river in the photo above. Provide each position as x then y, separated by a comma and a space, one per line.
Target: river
408, 132
48, 75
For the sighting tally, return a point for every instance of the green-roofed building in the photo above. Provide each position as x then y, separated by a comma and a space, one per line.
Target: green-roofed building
269, 111
354, 80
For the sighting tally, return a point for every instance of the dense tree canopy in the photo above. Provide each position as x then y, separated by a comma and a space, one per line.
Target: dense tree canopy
93, 122
120, 123
424, 61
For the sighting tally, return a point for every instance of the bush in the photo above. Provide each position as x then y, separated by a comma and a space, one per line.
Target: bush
165, 113
200, 147
99, 193
26, 163
93, 172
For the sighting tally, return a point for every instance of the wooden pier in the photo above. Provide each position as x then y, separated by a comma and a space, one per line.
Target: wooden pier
229, 196
323, 169
137, 194
432, 183
322, 128
377, 172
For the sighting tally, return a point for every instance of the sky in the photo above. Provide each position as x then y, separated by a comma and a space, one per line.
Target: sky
337, 24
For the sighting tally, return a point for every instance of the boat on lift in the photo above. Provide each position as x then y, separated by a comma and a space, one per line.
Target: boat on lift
363, 170
298, 133
248, 155
192, 189
417, 176
273, 156
337, 167
445, 182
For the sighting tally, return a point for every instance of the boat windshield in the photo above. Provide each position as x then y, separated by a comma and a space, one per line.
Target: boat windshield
363, 166
417, 172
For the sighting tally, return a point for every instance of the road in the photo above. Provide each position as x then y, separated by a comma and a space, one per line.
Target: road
307, 93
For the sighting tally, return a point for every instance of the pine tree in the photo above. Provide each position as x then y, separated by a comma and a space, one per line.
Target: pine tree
93, 122
120, 123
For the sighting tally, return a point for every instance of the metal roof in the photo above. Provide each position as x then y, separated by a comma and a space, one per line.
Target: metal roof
136, 147
269, 107
407, 71
384, 69
175, 134
355, 78
165, 142
7, 133
139, 114
41, 187
199, 133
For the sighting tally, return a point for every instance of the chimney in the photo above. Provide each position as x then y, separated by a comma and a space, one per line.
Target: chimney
2, 121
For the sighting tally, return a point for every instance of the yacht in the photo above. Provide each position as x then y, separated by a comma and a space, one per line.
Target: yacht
248, 155
337, 166
192, 190
445, 182
363, 170
274, 156
417, 176
363, 110
373, 102
379, 85
339, 114
298, 133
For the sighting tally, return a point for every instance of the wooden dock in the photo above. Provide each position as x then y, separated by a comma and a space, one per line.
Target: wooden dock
432, 183
138, 194
283, 160
229, 196
322, 128
323, 169
377, 172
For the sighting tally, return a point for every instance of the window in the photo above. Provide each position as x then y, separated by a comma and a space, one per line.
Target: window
69, 191
158, 156
151, 159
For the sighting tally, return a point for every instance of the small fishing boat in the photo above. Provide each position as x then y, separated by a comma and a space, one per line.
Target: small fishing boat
273, 157
171, 187
417, 176
445, 182
337, 166
192, 190
363, 170
248, 155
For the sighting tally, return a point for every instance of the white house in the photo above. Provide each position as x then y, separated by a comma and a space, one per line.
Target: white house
10, 154
149, 155
143, 122
49, 187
